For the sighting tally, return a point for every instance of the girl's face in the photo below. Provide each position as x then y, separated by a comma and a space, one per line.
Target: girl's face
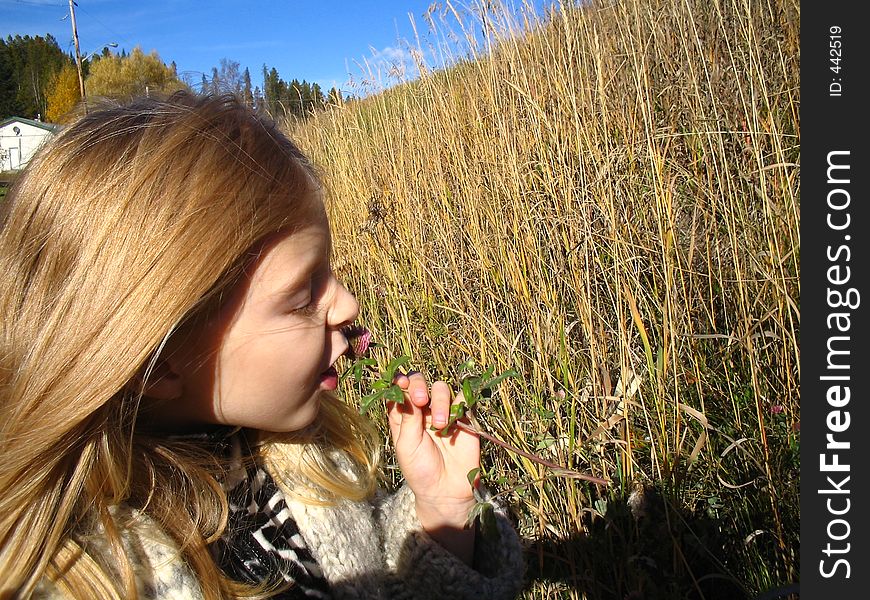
269, 353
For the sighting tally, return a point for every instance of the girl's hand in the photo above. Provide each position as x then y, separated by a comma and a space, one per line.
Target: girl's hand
435, 467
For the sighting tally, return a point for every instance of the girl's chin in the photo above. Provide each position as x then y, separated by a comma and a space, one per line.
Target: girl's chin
303, 417
329, 379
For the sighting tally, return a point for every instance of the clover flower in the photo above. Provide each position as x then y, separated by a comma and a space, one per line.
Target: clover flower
359, 338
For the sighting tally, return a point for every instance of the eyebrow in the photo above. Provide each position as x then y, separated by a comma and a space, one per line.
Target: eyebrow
307, 275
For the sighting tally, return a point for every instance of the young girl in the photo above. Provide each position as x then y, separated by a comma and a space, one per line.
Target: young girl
168, 428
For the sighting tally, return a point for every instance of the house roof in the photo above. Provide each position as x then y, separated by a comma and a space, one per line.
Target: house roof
47, 126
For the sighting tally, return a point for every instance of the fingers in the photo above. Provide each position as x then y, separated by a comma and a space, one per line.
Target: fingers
421, 403
407, 419
402, 380
396, 411
442, 396
418, 390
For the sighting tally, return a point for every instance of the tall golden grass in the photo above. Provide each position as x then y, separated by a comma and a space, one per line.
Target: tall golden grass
606, 200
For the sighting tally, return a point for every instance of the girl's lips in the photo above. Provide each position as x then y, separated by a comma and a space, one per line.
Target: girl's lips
329, 379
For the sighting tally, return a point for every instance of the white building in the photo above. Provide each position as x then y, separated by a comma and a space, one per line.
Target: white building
20, 139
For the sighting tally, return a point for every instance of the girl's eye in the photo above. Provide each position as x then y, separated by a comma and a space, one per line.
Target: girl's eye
312, 305
307, 310
308, 307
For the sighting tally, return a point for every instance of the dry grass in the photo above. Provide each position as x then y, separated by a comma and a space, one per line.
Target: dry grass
607, 203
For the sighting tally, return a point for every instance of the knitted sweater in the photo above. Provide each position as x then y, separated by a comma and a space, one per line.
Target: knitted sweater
365, 550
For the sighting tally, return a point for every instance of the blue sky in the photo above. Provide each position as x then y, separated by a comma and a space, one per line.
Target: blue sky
323, 41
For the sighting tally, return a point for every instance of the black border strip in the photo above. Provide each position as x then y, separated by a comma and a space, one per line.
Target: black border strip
835, 229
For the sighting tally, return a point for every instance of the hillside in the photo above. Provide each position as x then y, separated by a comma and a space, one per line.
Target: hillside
607, 201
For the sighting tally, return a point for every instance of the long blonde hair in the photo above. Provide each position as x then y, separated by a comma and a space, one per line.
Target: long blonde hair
131, 222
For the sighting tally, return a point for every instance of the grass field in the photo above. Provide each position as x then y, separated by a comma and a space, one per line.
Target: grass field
605, 199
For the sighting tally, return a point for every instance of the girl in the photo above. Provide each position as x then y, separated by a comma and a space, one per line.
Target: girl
170, 329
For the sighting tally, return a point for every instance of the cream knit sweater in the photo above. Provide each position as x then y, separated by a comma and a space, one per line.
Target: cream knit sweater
374, 550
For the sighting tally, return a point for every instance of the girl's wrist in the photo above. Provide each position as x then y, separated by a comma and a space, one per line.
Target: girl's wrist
440, 513
446, 522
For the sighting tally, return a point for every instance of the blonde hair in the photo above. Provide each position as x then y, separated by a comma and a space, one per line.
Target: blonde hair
133, 221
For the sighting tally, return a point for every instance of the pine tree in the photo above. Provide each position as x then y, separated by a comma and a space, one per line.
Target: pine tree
28, 67
334, 97
248, 95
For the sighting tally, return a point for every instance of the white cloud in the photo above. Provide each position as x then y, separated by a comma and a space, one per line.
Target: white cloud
392, 54
388, 65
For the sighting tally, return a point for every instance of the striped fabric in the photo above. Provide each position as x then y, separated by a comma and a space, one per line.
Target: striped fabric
262, 542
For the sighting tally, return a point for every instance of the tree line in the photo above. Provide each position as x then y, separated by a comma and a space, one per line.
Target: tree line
277, 96
38, 80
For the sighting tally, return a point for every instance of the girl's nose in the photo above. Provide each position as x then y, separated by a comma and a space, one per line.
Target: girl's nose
344, 309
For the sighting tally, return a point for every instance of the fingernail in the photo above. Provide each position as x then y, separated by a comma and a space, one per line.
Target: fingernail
439, 420
413, 373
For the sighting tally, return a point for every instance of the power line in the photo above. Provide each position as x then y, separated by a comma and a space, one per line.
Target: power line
50, 5
115, 34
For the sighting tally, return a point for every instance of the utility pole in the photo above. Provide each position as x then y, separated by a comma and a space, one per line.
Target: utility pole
72, 14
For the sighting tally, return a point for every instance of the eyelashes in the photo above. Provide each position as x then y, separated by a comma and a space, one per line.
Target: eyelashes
318, 289
309, 310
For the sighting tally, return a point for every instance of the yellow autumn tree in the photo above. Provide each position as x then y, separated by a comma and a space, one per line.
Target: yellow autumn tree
63, 94
136, 74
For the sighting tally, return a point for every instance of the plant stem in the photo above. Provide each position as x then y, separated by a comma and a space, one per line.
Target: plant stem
533, 457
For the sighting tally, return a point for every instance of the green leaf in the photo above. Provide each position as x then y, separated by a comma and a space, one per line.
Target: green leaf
485, 515
394, 394
600, 506
496, 380
487, 521
544, 414
545, 442
477, 382
390, 372
360, 365
457, 411
473, 514
472, 474
367, 401
461, 368
467, 394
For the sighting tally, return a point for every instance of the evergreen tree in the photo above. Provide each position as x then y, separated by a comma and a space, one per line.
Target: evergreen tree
248, 94
9, 104
334, 98
28, 67
275, 92
317, 97
282, 99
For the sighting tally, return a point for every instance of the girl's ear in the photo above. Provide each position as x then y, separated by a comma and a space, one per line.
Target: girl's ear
162, 381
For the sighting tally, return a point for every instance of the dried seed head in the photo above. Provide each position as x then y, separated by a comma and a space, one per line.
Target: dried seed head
638, 502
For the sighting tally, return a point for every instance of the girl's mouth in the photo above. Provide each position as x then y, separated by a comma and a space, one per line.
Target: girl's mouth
329, 379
